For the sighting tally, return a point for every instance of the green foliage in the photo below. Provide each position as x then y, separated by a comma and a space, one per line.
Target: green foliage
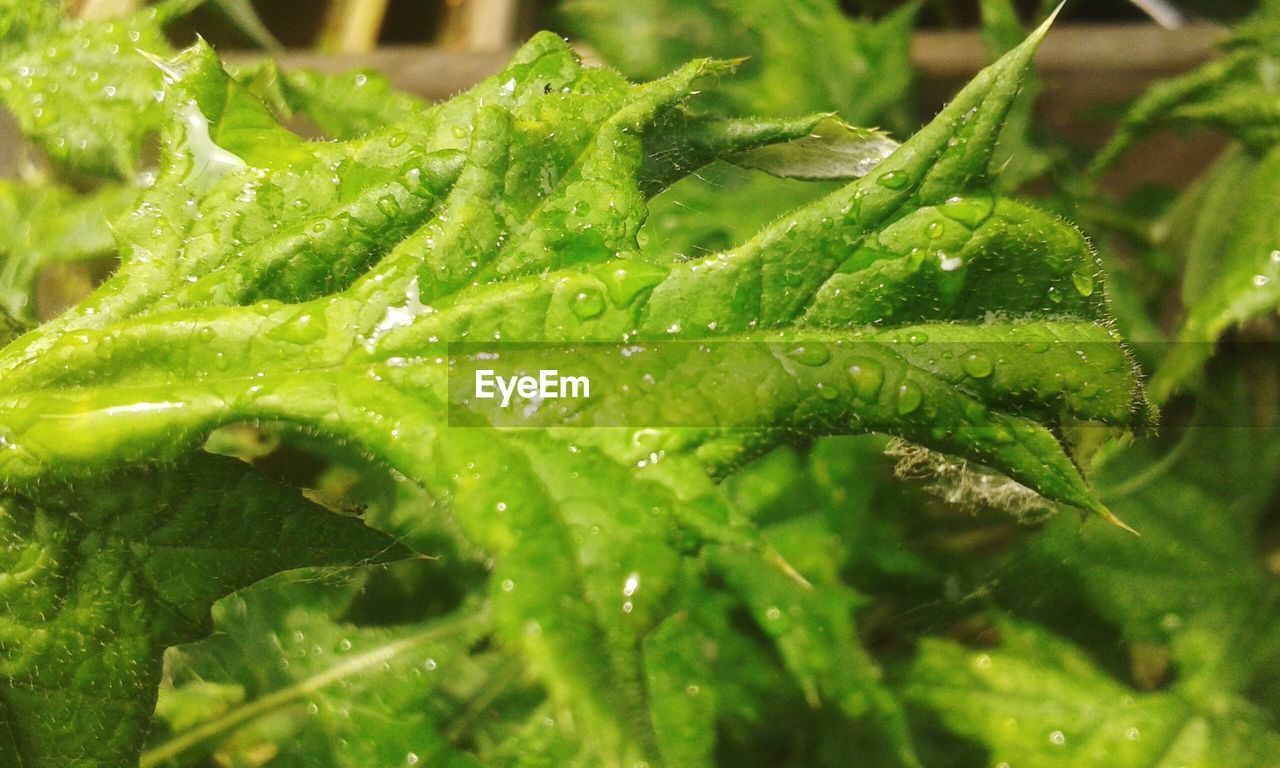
77, 90
47, 224
1191, 600
801, 57
805, 56
102, 576
1232, 265
606, 596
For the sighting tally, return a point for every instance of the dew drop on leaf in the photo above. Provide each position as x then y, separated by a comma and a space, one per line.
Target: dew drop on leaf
389, 207
969, 211
893, 179
809, 354
623, 283
1083, 281
587, 303
867, 376
977, 364
909, 398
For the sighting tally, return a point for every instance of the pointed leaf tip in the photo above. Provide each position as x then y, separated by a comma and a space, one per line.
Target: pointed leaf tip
1110, 517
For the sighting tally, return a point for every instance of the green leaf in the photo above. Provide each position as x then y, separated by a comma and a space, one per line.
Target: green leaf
909, 204
100, 578
1233, 264
306, 687
83, 92
268, 278
805, 56
1020, 158
1191, 593
343, 106
722, 206
830, 150
1233, 93
1038, 701
46, 225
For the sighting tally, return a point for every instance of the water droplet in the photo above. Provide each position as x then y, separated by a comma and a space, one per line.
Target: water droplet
867, 376
389, 206
411, 759
916, 338
909, 398
809, 354
1260, 280
1082, 279
625, 280
893, 179
209, 162
302, 328
1132, 734
267, 307
1058, 738
587, 303
949, 263
969, 211
977, 364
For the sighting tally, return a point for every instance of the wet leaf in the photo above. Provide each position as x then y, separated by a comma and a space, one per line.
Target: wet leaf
317, 283
100, 578
1193, 585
